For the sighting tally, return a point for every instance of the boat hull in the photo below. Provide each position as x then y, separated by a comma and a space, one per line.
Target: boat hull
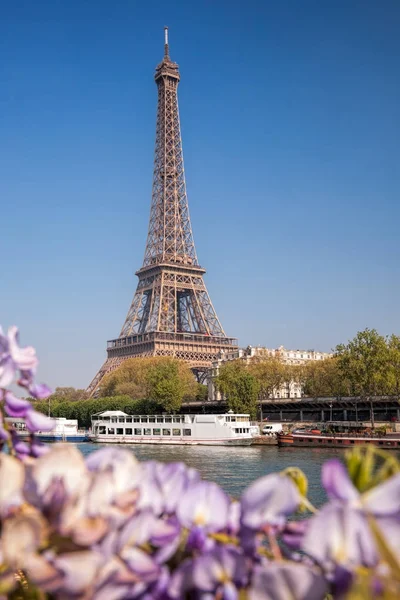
320, 441
48, 437
170, 442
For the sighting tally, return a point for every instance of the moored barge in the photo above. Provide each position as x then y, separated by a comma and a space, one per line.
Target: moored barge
356, 436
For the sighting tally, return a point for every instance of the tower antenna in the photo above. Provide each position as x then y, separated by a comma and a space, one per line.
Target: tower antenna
166, 47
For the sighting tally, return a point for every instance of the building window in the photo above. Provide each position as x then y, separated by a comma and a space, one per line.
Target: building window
187, 432
166, 432
128, 431
138, 432
176, 432
120, 431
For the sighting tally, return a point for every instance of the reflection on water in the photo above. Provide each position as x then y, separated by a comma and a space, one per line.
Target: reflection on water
234, 468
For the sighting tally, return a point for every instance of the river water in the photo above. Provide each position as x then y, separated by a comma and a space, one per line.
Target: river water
234, 468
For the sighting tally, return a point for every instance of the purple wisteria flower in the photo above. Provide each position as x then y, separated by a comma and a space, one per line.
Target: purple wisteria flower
269, 501
284, 580
221, 573
204, 505
341, 534
13, 358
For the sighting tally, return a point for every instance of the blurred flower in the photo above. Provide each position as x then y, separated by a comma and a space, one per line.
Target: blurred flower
341, 534
16, 407
269, 501
220, 572
281, 581
22, 535
12, 477
36, 421
204, 505
13, 358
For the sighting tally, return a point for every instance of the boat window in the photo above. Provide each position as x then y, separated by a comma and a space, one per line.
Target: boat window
114, 420
351, 441
228, 419
330, 441
187, 432
166, 432
111, 431
176, 432
143, 419
156, 431
106, 419
138, 431
128, 431
120, 431
136, 419
233, 419
146, 431
121, 420
340, 441
160, 419
168, 420
102, 430
128, 419
176, 420
152, 419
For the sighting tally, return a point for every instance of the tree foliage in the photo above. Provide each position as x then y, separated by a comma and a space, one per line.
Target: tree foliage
164, 380
363, 362
68, 394
239, 387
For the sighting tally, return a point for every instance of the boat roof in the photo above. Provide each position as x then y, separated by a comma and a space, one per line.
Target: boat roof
120, 413
111, 413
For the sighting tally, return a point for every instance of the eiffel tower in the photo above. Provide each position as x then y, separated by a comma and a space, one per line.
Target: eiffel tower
171, 312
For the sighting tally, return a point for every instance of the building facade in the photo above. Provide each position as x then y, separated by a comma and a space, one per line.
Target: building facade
291, 389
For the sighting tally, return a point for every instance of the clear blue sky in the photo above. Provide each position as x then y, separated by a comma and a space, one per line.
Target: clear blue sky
291, 136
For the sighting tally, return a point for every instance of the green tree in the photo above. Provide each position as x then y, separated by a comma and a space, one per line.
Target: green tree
68, 394
239, 387
393, 356
322, 379
164, 380
363, 362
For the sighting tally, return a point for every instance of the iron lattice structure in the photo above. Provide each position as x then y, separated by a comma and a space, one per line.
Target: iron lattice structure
171, 312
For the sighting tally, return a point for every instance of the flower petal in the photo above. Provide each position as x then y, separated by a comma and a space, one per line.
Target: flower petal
36, 421
204, 504
280, 581
24, 358
39, 391
16, 407
7, 370
12, 477
384, 499
269, 500
340, 535
336, 481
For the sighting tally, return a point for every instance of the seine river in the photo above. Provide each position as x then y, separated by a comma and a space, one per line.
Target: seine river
234, 468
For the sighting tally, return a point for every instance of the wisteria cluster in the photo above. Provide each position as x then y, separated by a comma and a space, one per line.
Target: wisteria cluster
108, 527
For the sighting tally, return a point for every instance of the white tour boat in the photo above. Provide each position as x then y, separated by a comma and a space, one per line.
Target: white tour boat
116, 427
